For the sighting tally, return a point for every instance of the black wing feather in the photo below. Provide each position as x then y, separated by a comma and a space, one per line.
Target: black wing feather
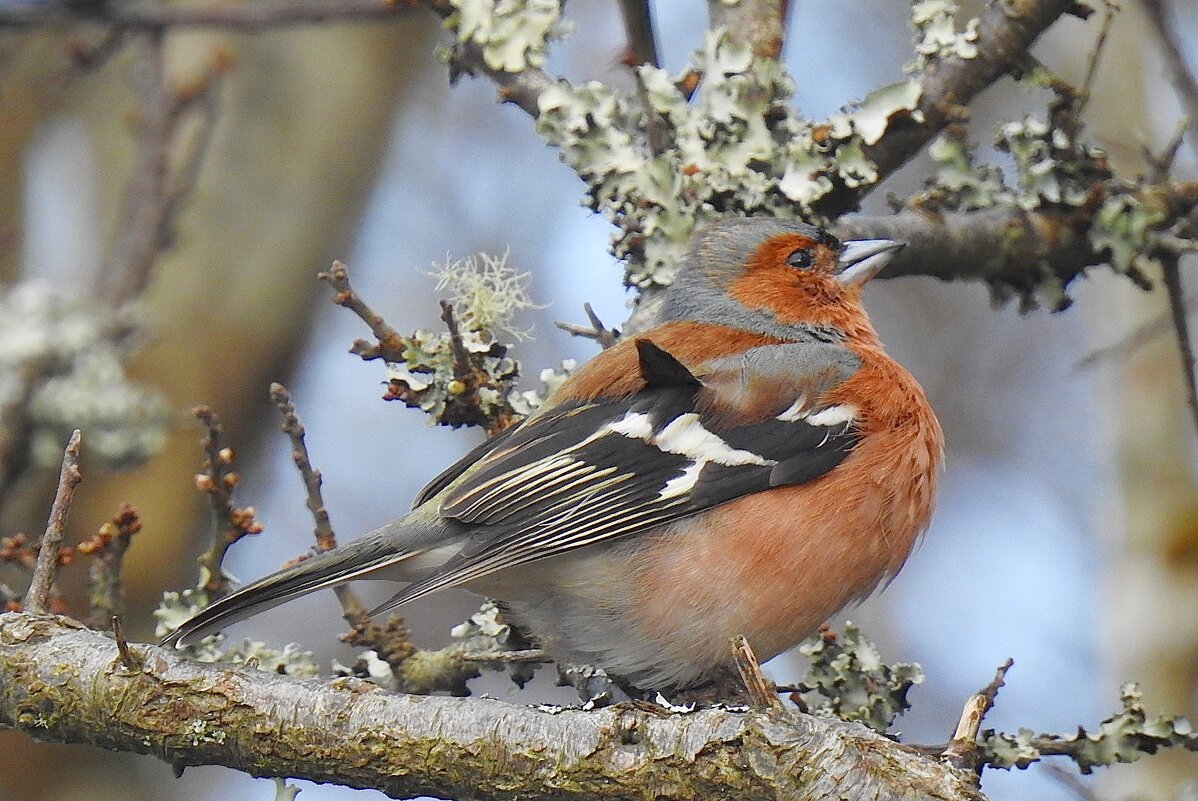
595, 471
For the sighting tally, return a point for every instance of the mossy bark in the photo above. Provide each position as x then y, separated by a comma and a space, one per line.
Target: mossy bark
63, 683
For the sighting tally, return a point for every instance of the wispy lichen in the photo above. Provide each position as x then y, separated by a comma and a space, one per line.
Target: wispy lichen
486, 293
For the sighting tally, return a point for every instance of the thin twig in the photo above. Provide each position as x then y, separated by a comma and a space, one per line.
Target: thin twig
606, 337
1066, 777
1177, 311
527, 656
144, 219
763, 694
126, 655
962, 750
391, 344
638, 28
107, 550
353, 610
1183, 77
243, 17
1096, 52
157, 190
37, 600
230, 523
463, 368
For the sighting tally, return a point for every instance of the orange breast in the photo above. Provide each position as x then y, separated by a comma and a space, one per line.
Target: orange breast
775, 565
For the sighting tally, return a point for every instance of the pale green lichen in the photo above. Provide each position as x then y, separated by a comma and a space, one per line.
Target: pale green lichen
936, 34
1124, 737
1125, 229
512, 35
958, 182
177, 607
1051, 167
486, 293
736, 146
60, 369
846, 678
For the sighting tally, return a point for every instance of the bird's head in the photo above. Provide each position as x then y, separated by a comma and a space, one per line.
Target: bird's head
762, 273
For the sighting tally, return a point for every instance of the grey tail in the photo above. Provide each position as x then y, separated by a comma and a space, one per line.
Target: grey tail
342, 564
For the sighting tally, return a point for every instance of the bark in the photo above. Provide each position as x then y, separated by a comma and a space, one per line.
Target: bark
63, 683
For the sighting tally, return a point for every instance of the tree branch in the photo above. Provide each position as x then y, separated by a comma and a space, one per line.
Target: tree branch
1006, 31
37, 600
158, 16
60, 682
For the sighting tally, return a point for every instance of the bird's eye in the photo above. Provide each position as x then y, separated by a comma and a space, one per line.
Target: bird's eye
800, 259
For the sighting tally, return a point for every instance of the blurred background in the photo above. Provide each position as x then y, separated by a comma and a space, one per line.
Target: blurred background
1066, 535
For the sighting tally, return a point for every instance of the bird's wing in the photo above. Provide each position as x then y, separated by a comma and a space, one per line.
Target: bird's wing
587, 472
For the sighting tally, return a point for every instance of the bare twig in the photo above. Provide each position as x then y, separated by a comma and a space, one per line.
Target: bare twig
326, 539
463, 369
527, 656
1108, 19
142, 230
107, 549
230, 523
37, 600
763, 693
157, 16
1066, 777
128, 659
1183, 77
1177, 311
353, 610
962, 750
156, 191
390, 345
606, 337
638, 28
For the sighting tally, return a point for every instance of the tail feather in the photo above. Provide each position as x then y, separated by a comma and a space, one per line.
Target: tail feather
338, 566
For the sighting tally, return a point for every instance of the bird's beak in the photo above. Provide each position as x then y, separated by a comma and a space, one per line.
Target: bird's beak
862, 259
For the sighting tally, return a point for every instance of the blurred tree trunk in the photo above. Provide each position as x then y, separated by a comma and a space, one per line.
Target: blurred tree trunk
303, 121
1151, 586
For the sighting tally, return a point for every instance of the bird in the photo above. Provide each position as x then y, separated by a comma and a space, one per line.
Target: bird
747, 466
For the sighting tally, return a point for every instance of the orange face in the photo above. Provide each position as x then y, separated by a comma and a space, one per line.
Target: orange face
794, 277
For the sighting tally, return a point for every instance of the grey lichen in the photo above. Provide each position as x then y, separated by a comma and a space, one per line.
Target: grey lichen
176, 607
512, 35
465, 376
1124, 737
424, 672
61, 368
734, 146
846, 678
936, 34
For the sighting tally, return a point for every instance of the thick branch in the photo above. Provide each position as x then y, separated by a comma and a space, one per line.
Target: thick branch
158, 16
998, 245
1005, 32
60, 682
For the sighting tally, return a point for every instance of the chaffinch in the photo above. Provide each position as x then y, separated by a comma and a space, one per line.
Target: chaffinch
747, 467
